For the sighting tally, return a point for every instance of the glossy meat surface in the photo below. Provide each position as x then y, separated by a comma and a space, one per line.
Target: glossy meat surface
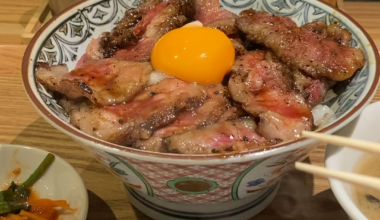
300, 48
104, 82
210, 13
130, 28
229, 136
313, 90
215, 108
172, 14
264, 88
157, 106
332, 32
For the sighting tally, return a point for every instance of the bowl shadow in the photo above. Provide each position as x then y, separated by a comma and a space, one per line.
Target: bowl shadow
295, 200
98, 208
139, 214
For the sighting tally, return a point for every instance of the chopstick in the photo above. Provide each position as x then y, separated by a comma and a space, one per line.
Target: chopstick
343, 141
358, 179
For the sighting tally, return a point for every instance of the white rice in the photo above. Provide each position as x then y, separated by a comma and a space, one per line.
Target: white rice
322, 113
330, 95
156, 77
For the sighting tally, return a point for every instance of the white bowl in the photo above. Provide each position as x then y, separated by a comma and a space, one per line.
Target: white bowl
59, 182
347, 159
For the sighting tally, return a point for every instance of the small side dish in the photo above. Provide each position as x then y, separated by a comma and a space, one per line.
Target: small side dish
36, 184
17, 202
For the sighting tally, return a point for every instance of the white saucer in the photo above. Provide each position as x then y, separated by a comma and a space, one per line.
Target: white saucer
365, 127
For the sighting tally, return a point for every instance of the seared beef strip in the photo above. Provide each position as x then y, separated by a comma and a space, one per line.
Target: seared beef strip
340, 35
238, 45
276, 127
104, 82
175, 14
287, 112
156, 107
70, 105
225, 137
126, 32
137, 32
216, 108
313, 90
212, 15
152, 144
93, 52
300, 48
317, 27
265, 89
332, 32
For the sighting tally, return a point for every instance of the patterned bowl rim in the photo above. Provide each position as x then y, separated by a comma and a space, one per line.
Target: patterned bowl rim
28, 78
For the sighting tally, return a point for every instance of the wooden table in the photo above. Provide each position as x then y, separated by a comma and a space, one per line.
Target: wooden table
301, 195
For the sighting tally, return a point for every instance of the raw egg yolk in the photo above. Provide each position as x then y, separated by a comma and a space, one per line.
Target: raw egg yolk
194, 54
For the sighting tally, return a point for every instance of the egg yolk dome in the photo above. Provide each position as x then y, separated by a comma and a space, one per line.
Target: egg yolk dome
194, 54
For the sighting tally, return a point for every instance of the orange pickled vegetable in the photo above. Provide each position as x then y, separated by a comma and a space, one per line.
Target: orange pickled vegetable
17, 171
14, 217
31, 215
46, 208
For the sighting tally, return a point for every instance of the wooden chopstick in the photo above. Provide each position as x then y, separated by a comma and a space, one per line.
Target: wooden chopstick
345, 142
358, 179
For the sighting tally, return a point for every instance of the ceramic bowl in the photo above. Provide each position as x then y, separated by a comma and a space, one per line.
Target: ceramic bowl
60, 181
347, 159
165, 186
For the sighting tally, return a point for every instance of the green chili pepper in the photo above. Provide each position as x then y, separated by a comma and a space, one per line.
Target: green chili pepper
13, 199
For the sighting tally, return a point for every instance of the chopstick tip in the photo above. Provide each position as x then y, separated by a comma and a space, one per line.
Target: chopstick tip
305, 133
